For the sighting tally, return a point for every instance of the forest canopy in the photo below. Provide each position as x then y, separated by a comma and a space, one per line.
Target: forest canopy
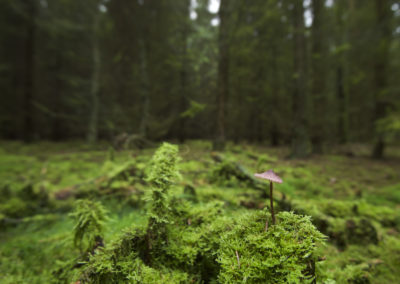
310, 73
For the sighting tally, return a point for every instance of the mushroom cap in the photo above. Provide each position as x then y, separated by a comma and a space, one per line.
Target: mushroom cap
269, 175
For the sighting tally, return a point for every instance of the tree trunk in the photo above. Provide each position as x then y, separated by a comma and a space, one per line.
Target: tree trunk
319, 121
383, 14
145, 96
223, 76
276, 87
28, 126
341, 97
300, 142
95, 101
183, 73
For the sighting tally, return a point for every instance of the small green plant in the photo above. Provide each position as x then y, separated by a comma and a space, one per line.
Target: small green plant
90, 217
163, 172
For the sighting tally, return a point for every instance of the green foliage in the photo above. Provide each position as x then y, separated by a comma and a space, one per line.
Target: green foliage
389, 125
24, 202
262, 160
285, 253
349, 222
222, 175
189, 254
194, 109
163, 172
230, 174
89, 217
203, 224
163, 167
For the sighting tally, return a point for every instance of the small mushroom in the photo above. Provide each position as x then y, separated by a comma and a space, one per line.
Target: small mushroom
272, 177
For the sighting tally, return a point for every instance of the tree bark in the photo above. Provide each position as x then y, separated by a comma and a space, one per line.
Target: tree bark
223, 76
145, 96
383, 15
276, 86
319, 121
301, 141
94, 93
28, 125
341, 96
184, 72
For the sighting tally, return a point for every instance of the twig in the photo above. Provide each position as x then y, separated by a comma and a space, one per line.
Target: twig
238, 259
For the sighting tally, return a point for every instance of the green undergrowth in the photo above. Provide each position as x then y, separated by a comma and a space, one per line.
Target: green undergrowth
282, 253
181, 216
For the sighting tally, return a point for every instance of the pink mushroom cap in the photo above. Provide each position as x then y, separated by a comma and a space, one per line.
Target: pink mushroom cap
269, 175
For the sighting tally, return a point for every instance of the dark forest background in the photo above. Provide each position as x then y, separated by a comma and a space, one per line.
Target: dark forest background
310, 74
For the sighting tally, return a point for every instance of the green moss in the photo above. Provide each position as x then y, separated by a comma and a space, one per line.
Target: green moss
346, 222
89, 217
360, 217
285, 253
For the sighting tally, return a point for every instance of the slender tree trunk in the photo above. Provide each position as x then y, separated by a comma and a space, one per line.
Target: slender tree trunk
223, 76
184, 73
300, 142
319, 121
274, 129
145, 96
383, 15
341, 97
94, 93
57, 127
28, 125
183, 100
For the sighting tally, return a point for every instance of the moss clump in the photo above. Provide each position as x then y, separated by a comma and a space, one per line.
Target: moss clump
178, 245
89, 217
348, 222
284, 253
231, 174
25, 202
163, 172
188, 256
187, 242
123, 261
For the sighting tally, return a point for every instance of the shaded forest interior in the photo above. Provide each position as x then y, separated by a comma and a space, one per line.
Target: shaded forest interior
310, 74
271, 109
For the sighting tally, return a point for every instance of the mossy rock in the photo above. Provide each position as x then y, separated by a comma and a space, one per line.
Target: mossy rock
346, 222
5, 192
284, 253
16, 208
126, 260
27, 201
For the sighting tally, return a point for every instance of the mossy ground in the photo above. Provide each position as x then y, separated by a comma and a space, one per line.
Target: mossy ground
353, 200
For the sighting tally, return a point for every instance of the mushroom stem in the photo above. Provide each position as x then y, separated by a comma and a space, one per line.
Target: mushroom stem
271, 188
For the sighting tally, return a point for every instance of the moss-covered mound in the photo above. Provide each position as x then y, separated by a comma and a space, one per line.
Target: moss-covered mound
253, 252
204, 251
187, 242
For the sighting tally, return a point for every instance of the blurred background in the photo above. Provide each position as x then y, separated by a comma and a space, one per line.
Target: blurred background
310, 74
90, 88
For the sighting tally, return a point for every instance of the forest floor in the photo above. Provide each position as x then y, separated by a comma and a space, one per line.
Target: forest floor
352, 199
